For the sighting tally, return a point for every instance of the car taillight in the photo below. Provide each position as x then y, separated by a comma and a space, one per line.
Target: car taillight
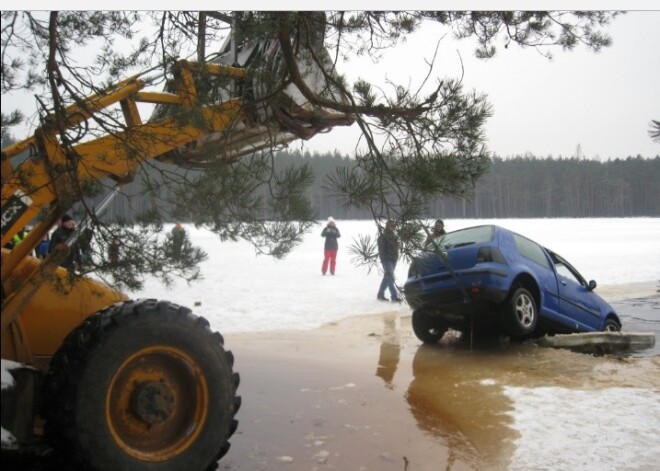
489, 254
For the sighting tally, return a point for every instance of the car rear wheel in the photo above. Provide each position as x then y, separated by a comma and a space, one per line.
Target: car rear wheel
426, 328
611, 326
521, 313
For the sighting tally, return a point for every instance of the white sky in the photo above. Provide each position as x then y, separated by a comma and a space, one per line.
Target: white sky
602, 102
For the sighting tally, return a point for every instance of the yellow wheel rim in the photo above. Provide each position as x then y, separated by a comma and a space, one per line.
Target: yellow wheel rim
157, 403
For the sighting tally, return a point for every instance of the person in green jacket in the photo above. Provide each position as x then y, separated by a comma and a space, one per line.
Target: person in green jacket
18, 238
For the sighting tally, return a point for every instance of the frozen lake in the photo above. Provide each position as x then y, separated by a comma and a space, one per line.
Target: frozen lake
242, 291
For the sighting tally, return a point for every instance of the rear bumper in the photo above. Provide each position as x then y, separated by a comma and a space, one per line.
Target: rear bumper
475, 289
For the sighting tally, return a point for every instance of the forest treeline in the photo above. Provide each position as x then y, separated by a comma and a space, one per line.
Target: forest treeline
519, 187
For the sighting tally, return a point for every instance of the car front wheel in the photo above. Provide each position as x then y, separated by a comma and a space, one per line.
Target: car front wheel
611, 326
521, 313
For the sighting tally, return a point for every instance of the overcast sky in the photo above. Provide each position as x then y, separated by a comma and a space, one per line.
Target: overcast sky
602, 102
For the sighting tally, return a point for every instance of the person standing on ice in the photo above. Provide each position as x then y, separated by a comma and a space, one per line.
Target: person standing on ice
178, 236
388, 251
331, 234
438, 231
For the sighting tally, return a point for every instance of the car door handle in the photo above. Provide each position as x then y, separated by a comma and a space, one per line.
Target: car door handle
563, 283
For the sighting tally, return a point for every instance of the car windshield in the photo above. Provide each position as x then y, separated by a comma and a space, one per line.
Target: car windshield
469, 236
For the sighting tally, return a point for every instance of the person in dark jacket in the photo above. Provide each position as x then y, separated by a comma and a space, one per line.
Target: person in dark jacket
438, 231
178, 236
60, 236
84, 244
388, 251
331, 234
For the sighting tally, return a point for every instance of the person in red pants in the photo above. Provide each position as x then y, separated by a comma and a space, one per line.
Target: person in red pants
331, 234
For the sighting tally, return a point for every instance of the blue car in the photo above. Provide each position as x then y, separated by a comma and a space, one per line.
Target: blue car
490, 279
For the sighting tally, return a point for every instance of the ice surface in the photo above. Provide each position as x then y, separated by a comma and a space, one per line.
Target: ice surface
567, 429
242, 291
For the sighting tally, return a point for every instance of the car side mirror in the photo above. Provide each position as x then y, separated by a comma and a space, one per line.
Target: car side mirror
592, 285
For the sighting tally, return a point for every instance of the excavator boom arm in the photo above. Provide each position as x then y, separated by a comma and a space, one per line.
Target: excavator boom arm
184, 128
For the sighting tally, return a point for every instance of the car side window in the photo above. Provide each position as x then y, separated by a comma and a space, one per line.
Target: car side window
531, 250
565, 272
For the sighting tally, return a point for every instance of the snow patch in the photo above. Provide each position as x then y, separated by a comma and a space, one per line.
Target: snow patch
567, 429
7, 377
9, 442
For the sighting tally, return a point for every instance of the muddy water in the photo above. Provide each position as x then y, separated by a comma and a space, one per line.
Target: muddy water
457, 389
458, 395
364, 394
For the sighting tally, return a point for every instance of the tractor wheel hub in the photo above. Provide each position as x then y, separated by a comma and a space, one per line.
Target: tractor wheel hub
153, 402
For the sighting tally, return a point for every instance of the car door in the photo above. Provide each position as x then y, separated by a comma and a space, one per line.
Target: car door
577, 304
535, 260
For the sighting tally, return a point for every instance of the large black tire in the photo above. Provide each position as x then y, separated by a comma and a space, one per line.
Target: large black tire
142, 385
427, 329
521, 313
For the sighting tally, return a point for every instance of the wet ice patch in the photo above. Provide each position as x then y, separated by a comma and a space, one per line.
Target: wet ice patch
566, 429
6, 437
8, 440
7, 378
345, 386
322, 456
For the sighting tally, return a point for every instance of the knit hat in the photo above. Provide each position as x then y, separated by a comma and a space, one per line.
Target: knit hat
66, 218
331, 220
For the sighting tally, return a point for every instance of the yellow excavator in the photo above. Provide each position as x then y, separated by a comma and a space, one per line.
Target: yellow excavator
110, 382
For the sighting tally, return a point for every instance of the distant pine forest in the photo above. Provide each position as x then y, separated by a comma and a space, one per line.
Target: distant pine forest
518, 187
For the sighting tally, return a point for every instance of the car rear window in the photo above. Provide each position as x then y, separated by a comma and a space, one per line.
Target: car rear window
469, 236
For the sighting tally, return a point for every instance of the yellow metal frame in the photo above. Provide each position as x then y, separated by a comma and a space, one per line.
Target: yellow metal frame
35, 315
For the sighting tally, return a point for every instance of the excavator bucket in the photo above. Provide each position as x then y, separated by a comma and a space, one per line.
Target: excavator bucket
276, 113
